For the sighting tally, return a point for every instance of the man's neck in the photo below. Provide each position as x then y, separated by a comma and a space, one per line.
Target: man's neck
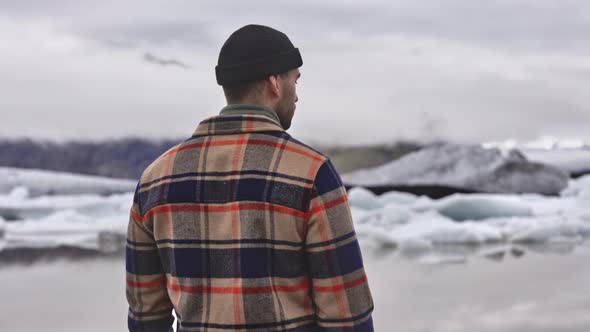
241, 109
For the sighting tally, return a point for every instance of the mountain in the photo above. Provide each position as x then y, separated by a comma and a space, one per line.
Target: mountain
127, 158
122, 158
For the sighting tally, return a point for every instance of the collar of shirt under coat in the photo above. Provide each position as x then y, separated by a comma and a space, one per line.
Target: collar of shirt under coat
244, 109
240, 118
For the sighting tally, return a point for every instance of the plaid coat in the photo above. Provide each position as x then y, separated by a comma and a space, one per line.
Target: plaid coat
241, 227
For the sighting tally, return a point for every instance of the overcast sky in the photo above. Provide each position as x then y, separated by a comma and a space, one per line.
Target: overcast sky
374, 71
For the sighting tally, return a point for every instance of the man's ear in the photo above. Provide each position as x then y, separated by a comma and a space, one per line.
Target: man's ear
273, 83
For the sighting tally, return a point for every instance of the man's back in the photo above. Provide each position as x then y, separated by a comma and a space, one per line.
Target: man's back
242, 227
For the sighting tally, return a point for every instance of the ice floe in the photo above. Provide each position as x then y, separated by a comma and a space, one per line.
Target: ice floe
422, 224
41, 182
415, 226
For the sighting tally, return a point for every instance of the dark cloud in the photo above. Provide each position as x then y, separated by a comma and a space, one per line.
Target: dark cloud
523, 24
184, 34
148, 57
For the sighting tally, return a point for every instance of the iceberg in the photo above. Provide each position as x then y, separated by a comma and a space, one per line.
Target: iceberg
2, 228
66, 228
87, 221
550, 229
470, 167
397, 197
422, 228
18, 206
573, 161
417, 227
2, 234
40, 182
570, 155
479, 207
364, 199
394, 214
578, 188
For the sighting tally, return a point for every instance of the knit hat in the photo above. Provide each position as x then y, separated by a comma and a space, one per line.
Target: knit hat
253, 53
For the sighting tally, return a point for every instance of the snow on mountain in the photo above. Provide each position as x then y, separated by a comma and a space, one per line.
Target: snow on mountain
542, 143
572, 161
41, 182
571, 155
465, 166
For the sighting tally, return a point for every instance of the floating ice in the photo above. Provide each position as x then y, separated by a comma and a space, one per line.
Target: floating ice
396, 197
40, 182
438, 229
436, 259
2, 228
66, 227
578, 188
363, 198
548, 229
2, 234
18, 207
529, 220
394, 214
417, 226
378, 237
362, 216
73, 220
19, 193
573, 161
480, 207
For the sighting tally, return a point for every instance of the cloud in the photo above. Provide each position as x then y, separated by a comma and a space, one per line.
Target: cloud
148, 57
518, 24
193, 34
459, 69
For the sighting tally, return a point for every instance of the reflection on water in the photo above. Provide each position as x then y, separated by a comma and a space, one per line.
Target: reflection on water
462, 254
493, 288
112, 245
19, 251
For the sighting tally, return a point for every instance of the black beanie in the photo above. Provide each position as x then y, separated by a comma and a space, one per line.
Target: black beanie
253, 53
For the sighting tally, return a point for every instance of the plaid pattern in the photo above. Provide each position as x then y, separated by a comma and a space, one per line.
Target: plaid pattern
243, 228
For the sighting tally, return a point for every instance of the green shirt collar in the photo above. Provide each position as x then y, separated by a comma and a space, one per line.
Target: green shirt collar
242, 109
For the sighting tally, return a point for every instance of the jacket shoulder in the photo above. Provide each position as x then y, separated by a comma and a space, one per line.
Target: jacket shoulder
308, 149
161, 166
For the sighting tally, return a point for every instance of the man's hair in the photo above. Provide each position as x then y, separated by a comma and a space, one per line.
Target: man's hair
237, 93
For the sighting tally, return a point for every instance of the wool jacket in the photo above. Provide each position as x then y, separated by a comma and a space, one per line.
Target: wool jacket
243, 228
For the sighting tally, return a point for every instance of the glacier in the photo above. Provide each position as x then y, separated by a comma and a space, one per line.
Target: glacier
470, 167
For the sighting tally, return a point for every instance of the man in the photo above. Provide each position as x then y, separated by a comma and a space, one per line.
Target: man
241, 227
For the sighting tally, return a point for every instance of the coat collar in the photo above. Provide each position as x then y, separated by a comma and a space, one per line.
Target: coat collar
240, 118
